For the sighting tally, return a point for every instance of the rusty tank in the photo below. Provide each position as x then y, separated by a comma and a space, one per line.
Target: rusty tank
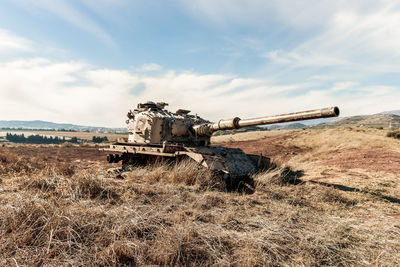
156, 134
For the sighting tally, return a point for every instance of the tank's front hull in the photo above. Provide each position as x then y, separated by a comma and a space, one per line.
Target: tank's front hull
231, 161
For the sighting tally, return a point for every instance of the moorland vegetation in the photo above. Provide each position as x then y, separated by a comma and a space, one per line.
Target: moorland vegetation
72, 213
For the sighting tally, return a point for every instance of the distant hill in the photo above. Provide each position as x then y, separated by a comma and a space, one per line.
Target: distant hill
299, 125
241, 130
384, 121
37, 124
52, 126
287, 126
393, 112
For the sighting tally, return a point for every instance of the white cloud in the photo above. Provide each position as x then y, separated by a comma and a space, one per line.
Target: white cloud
62, 91
10, 42
79, 93
150, 67
344, 86
364, 41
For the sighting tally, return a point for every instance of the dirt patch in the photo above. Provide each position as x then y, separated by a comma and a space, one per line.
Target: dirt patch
278, 148
367, 159
273, 147
76, 155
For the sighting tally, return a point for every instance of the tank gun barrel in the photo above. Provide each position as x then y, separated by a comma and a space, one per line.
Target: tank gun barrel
236, 123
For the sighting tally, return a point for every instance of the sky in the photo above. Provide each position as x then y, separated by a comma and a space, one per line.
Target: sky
89, 62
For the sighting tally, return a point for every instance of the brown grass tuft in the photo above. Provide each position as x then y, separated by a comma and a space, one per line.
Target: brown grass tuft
278, 175
185, 172
394, 134
66, 144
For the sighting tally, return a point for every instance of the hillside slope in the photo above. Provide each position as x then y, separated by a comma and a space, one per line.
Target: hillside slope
394, 112
384, 121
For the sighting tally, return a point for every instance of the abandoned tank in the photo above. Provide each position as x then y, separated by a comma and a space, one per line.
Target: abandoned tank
158, 134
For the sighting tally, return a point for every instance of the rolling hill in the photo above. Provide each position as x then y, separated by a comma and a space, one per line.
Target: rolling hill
384, 121
393, 112
46, 125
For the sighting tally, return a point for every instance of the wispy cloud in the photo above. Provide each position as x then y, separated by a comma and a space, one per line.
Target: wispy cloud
364, 41
289, 13
361, 36
149, 67
66, 11
10, 42
304, 59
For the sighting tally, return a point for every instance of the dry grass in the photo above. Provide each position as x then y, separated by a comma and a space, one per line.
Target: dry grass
319, 147
186, 173
180, 214
12, 164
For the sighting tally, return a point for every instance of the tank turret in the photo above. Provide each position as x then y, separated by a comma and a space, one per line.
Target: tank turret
150, 123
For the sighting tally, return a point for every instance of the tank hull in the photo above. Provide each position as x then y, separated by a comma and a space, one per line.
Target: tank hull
229, 162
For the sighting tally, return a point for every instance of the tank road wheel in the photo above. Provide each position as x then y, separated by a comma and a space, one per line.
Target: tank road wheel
110, 158
113, 158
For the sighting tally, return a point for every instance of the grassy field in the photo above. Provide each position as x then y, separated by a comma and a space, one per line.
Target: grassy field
59, 206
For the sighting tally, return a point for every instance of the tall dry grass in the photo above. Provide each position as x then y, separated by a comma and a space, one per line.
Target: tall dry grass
180, 214
13, 164
186, 172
